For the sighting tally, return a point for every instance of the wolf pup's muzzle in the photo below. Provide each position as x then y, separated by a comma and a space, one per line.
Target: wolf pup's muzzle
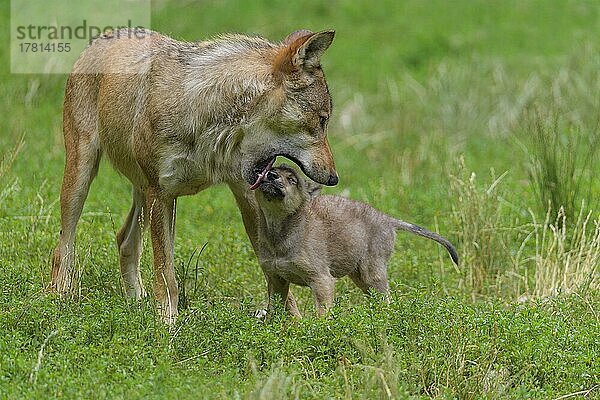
271, 185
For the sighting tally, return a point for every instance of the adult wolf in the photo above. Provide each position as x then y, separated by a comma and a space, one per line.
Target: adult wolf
176, 118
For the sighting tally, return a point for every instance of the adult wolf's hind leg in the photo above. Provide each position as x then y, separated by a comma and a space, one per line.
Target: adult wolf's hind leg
82, 159
129, 244
75, 187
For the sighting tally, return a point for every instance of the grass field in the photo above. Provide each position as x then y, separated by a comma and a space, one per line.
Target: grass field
477, 119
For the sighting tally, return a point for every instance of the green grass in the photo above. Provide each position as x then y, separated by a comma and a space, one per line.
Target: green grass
560, 161
417, 86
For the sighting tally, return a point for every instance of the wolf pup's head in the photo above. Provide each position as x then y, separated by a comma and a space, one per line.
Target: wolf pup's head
294, 114
283, 192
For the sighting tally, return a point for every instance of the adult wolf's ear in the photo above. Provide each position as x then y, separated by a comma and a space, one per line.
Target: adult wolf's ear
303, 50
309, 54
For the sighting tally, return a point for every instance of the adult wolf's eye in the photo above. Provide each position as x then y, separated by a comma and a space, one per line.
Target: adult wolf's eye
323, 122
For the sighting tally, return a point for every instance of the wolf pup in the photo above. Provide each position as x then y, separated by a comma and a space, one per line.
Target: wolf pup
312, 240
175, 118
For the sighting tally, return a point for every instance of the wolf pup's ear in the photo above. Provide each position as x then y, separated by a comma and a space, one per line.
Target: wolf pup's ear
313, 188
302, 49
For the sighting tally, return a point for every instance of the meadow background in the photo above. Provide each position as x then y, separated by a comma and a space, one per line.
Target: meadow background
477, 119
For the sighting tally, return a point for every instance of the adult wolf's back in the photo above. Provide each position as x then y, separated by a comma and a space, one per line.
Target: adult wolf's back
175, 118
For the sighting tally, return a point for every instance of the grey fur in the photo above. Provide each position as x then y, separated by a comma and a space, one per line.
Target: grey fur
312, 240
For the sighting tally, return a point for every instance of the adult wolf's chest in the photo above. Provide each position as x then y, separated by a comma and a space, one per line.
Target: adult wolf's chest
193, 161
184, 172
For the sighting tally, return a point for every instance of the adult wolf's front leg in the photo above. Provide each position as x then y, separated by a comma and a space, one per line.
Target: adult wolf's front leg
161, 214
249, 210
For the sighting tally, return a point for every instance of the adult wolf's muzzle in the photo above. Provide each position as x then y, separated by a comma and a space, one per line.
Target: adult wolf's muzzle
321, 167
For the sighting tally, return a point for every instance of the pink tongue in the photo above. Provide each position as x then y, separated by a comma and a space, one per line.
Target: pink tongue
261, 176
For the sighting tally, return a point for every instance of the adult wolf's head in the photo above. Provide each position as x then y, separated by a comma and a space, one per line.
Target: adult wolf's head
294, 114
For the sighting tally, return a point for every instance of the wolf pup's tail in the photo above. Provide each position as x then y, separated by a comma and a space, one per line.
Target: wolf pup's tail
417, 230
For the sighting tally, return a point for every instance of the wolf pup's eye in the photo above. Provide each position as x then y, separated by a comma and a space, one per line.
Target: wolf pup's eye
292, 181
323, 122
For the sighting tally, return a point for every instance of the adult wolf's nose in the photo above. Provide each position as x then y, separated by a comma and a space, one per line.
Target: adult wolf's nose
333, 180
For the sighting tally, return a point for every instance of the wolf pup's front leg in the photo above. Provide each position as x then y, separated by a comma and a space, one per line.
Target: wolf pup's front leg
279, 290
